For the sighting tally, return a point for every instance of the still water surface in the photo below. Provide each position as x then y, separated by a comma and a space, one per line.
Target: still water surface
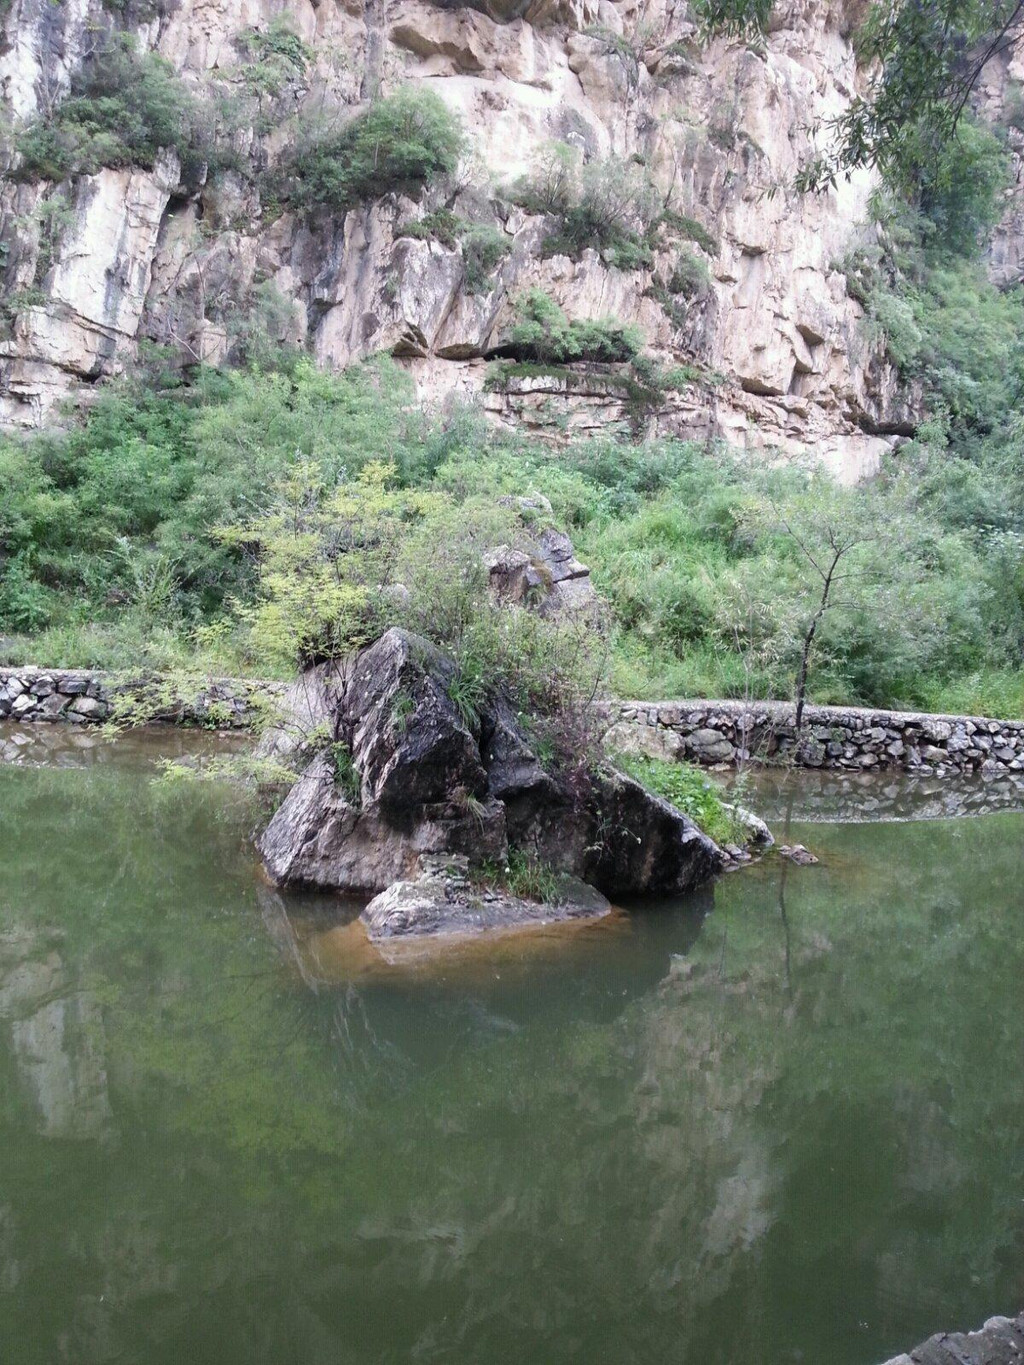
779, 1122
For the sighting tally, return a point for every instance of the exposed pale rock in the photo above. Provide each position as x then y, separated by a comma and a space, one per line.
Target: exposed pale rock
443, 904
320, 838
1000, 1341
719, 127
710, 746
644, 740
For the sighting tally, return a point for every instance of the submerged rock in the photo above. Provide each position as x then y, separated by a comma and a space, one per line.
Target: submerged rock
407, 779
796, 853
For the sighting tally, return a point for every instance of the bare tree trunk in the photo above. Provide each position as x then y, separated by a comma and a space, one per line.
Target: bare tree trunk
805, 654
801, 677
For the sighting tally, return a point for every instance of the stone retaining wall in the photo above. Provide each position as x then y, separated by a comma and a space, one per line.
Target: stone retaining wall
842, 737
709, 732
74, 694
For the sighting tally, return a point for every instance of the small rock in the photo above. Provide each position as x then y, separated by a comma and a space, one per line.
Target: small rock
87, 708
796, 853
439, 904
710, 746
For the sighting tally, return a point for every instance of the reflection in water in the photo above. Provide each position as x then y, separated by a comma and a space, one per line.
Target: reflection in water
56, 1037
780, 1125
851, 798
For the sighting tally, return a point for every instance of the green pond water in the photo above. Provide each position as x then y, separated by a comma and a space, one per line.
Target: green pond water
781, 1121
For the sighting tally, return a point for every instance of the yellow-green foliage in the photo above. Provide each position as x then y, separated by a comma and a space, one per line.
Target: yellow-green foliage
327, 554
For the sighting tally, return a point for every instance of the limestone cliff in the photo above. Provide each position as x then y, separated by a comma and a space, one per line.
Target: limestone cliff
132, 255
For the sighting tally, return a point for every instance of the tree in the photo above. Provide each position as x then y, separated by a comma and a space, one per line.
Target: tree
828, 539
327, 558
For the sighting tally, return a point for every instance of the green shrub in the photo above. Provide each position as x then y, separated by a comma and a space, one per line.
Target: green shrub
483, 250
279, 57
689, 790
401, 143
690, 276
958, 183
692, 230
148, 477
122, 109
442, 226
543, 333
483, 247
608, 206
524, 876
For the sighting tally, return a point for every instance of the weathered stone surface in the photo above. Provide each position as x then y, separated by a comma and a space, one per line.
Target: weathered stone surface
797, 853
709, 746
428, 786
408, 741
640, 843
541, 571
443, 904
319, 838
757, 830
757, 731
832, 736
146, 257
645, 741
999, 1342
87, 698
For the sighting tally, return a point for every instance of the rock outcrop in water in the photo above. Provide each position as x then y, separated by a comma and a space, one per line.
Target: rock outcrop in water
999, 1342
408, 785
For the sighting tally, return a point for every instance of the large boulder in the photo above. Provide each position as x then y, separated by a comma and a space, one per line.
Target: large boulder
402, 775
541, 571
616, 835
322, 837
402, 779
409, 742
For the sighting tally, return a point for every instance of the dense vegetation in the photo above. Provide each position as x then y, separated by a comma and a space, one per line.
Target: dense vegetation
140, 537
927, 60
251, 518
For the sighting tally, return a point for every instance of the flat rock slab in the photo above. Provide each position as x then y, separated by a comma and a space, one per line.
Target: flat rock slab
436, 906
999, 1342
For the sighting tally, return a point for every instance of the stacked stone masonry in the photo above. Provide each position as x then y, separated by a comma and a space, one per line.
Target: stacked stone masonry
82, 697
847, 738
707, 732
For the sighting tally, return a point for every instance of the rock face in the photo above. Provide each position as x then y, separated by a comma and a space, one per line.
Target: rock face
410, 787
541, 571
999, 1342
417, 784
93, 268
